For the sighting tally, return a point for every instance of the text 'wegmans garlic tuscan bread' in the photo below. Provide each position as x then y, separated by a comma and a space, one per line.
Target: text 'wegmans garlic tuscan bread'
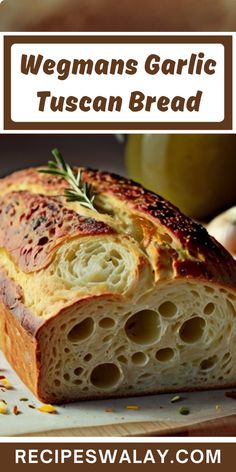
132, 299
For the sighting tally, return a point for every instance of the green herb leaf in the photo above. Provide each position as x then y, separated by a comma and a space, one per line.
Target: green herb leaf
184, 410
79, 190
59, 159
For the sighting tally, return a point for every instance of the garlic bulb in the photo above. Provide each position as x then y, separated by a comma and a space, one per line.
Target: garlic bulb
223, 228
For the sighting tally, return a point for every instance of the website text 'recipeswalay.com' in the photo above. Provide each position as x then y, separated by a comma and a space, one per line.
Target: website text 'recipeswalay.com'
117, 456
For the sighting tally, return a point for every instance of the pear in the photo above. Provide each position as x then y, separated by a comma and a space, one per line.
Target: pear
196, 172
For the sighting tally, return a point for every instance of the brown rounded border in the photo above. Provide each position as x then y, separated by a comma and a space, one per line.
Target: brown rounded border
225, 124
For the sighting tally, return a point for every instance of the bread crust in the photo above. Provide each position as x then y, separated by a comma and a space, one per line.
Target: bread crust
204, 257
18, 329
212, 262
33, 226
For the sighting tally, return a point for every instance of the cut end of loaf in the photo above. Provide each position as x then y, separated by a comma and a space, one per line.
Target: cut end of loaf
179, 338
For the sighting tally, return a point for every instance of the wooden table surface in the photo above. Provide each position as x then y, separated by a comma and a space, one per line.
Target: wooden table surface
225, 426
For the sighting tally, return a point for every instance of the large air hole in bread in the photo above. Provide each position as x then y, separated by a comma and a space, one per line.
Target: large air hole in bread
192, 330
143, 327
81, 331
106, 376
135, 299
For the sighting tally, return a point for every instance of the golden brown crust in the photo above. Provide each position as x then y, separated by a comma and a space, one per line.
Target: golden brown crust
204, 257
32, 226
11, 298
17, 342
31, 176
212, 262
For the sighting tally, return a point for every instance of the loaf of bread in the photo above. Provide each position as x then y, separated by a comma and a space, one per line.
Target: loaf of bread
131, 299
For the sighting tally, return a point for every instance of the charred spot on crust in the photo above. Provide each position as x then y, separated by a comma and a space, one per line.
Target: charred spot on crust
184, 228
31, 226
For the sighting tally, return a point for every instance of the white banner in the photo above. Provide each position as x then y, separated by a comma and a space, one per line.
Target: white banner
117, 83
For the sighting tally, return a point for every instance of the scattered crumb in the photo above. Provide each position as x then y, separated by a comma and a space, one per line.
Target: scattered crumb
231, 394
109, 410
16, 411
3, 408
184, 410
47, 409
23, 399
4, 383
32, 406
132, 407
176, 398
218, 407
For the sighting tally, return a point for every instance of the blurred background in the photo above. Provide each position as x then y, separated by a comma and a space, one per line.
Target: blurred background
93, 150
196, 172
122, 15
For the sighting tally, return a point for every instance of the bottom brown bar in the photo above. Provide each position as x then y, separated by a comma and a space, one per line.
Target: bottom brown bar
113, 456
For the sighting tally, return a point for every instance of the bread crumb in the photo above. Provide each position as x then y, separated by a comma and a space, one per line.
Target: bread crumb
16, 411
5, 384
231, 394
175, 399
47, 409
184, 410
3, 407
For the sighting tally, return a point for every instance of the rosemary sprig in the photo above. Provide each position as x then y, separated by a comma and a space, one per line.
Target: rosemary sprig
78, 191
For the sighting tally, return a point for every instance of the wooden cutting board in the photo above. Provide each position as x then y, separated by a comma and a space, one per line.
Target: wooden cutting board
225, 426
